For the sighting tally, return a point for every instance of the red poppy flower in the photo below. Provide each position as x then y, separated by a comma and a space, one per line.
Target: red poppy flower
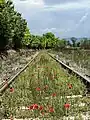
51, 109
33, 107
54, 95
70, 86
66, 105
11, 89
41, 107
38, 89
30, 107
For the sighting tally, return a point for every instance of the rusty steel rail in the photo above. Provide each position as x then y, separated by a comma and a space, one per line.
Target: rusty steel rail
12, 79
71, 70
85, 79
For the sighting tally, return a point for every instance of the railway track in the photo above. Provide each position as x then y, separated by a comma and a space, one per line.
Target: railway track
4, 86
45, 59
85, 79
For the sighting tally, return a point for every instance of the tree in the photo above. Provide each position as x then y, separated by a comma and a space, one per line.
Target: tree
49, 40
2, 1
5, 30
85, 43
73, 39
26, 39
68, 43
12, 25
60, 44
18, 33
78, 44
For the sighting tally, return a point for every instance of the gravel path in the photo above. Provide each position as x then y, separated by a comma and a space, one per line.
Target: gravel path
13, 63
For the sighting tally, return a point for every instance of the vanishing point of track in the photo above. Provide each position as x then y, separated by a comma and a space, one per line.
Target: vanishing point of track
69, 69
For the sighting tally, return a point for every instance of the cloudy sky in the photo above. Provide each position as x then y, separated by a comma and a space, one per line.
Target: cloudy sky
65, 18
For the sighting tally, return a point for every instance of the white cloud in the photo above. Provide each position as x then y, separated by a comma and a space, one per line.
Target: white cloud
84, 17
71, 5
55, 7
29, 8
55, 30
49, 30
41, 15
29, 3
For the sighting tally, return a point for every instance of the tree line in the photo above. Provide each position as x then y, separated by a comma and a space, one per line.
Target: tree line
12, 26
82, 43
15, 34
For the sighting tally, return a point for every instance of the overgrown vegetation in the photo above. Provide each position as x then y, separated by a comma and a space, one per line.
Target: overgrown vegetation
43, 91
79, 59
